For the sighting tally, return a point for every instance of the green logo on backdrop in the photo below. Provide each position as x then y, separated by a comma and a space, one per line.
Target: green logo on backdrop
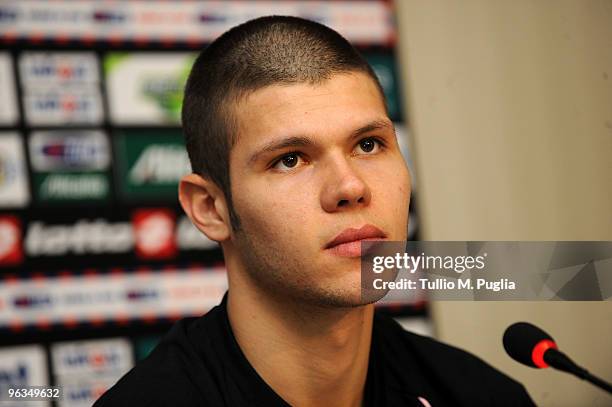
151, 164
166, 92
157, 79
79, 186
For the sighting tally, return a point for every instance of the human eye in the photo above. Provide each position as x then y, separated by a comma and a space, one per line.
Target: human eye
287, 162
369, 145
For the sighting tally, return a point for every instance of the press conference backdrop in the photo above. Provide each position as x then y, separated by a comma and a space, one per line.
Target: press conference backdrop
96, 257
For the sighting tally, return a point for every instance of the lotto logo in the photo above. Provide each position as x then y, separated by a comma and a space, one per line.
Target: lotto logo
11, 252
154, 231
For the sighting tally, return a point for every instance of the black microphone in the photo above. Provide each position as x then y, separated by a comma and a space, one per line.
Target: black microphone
529, 345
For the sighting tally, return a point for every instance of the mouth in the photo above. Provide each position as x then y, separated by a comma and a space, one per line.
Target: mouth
348, 242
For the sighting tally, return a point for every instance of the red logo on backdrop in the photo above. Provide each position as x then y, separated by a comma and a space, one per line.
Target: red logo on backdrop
154, 231
11, 252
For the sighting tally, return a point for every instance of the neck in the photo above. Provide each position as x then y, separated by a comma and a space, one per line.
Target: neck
309, 355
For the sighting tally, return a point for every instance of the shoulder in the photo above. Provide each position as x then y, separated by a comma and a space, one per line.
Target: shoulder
461, 374
170, 376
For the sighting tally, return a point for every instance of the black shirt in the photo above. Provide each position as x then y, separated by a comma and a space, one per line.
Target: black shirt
199, 363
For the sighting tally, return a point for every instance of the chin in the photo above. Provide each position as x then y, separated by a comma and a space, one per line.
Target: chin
339, 301
338, 295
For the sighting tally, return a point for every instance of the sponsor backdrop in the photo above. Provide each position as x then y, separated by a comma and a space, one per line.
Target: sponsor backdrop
97, 259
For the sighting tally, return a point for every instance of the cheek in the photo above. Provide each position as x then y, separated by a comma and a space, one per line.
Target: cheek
393, 186
391, 200
275, 213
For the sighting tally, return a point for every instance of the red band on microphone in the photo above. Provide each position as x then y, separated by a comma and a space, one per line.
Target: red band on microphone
537, 355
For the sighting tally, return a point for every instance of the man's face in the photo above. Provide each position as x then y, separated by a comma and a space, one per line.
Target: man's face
311, 162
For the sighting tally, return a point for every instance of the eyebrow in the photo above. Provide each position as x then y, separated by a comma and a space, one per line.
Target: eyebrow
294, 141
374, 125
302, 141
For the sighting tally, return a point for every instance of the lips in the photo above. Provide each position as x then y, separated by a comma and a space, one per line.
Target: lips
348, 243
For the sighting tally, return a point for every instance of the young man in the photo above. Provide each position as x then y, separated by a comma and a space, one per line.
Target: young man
295, 163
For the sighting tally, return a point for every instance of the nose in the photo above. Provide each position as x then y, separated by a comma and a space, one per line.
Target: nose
344, 188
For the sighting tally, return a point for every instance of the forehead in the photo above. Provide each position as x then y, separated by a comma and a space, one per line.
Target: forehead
337, 106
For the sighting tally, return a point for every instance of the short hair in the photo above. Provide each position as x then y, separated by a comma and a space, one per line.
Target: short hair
261, 52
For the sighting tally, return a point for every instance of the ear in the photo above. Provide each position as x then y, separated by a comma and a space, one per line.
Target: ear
204, 203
